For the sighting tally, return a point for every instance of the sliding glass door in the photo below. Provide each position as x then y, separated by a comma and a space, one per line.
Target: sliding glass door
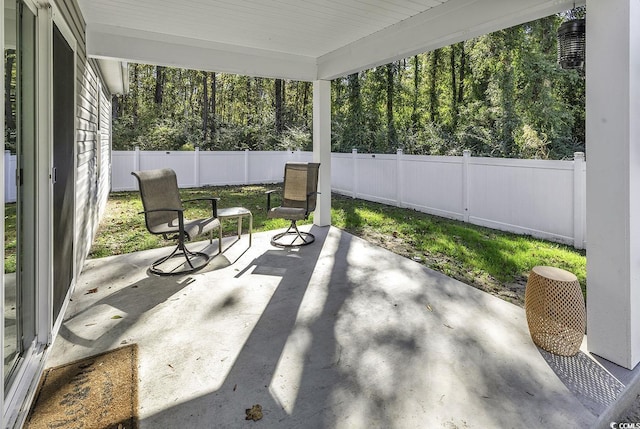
20, 195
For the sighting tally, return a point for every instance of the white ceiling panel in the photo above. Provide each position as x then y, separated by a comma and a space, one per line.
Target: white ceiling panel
311, 28
296, 39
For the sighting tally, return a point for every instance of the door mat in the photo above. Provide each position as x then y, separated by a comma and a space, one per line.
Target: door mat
98, 392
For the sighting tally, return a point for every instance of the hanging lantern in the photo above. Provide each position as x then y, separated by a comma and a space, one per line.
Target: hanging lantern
572, 44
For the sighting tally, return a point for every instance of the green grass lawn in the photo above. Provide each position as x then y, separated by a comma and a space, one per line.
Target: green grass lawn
494, 261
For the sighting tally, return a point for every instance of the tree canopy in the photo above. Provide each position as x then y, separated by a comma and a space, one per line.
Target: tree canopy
501, 95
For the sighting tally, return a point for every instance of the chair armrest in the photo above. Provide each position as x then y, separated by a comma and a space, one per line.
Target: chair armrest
214, 203
179, 211
269, 198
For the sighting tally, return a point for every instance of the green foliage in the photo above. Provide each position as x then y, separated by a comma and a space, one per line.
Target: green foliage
501, 95
173, 109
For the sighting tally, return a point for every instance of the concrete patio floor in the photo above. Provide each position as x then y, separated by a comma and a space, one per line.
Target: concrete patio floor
339, 334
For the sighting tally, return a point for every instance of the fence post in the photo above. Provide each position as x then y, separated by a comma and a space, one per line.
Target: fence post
8, 183
354, 154
246, 166
579, 191
466, 155
196, 167
136, 159
399, 190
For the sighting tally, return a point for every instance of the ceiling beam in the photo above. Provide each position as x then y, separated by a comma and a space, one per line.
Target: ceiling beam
104, 41
451, 22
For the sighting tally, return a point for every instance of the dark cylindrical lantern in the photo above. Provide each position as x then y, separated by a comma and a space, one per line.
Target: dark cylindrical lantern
572, 44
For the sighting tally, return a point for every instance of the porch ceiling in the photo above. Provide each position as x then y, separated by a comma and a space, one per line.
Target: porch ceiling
303, 40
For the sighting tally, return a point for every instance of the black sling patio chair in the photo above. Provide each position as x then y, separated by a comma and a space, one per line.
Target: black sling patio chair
298, 200
164, 215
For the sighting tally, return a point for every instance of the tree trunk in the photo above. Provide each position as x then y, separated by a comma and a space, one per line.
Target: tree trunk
278, 102
115, 107
160, 78
205, 106
433, 94
213, 99
454, 89
463, 57
391, 130
416, 92
134, 96
305, 102
248, 102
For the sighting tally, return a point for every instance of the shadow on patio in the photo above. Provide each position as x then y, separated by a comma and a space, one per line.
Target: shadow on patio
338, 334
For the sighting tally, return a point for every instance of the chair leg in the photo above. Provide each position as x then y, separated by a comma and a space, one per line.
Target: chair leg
180, 250
305, 237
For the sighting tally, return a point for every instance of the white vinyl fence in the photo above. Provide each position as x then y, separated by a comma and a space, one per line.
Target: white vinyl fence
10, 161
542, 198
203, 168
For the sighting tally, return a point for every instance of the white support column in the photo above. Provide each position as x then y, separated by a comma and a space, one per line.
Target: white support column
579, 190
322, 149
613, 180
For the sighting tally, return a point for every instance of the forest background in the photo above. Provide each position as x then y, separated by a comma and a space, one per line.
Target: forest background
499, 95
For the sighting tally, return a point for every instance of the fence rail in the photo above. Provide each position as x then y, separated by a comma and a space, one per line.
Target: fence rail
542, 198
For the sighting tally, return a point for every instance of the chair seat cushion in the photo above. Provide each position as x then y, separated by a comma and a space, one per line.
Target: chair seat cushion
192, 228
290, 213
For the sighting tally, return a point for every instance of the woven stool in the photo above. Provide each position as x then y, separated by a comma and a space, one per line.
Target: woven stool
555, 309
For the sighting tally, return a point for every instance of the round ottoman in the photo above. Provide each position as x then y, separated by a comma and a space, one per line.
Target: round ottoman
555, 309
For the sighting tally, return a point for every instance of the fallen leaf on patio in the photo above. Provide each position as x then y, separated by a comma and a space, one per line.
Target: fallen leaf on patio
429, 307
94, 290
116, 317
254, 413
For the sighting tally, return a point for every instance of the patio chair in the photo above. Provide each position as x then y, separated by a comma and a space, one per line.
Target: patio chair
298, 200
164, 215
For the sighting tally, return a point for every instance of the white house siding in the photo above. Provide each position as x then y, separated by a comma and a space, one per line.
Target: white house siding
93, 137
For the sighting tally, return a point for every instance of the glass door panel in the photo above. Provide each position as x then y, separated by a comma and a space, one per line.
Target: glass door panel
11, 349
20, 131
